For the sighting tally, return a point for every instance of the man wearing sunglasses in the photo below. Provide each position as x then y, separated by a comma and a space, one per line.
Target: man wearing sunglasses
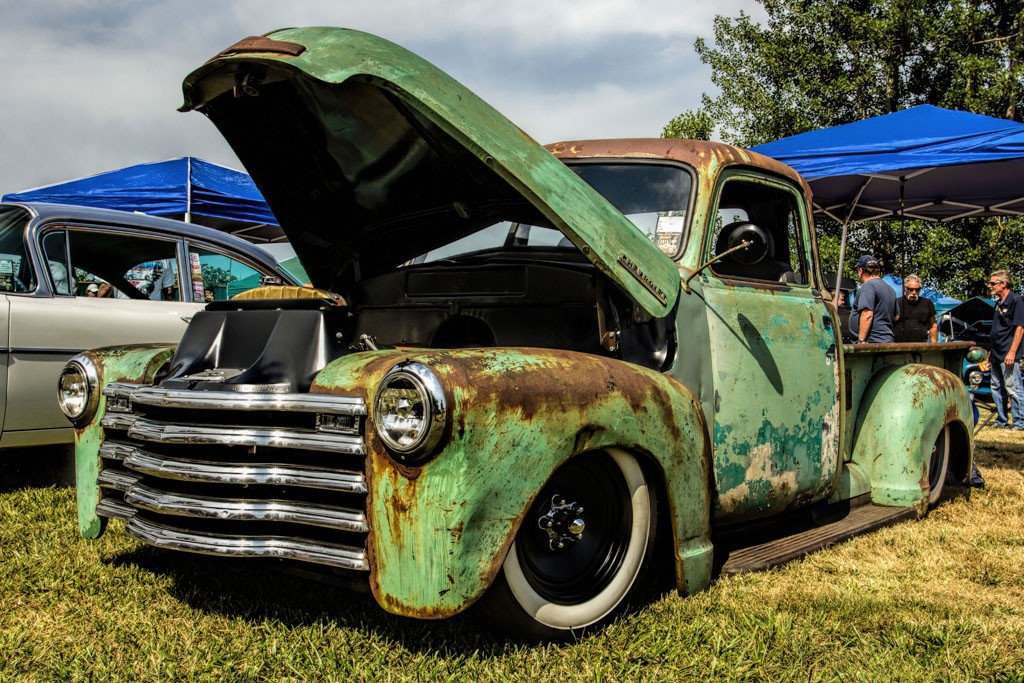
917, 314
1007, 331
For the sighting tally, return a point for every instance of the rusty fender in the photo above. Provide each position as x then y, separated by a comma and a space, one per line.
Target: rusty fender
138, 363
902, 412
440, 531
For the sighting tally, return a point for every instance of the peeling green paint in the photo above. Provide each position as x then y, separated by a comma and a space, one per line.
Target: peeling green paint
517, 417
115, 364
334, 56
761, 411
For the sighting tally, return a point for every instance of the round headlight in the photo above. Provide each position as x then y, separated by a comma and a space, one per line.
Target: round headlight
78, 390
974, 379
410, 410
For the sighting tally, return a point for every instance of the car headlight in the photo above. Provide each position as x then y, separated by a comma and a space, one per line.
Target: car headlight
78, 390
974, 379
410, 410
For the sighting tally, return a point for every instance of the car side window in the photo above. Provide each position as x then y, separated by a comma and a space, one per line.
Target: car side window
108, 263
217, 277
55, 251
768, 218
16, 273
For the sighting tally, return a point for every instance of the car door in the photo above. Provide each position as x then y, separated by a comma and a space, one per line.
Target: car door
774, 355
68, 315
5, 326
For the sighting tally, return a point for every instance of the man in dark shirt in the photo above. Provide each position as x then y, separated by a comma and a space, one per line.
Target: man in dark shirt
917, 314
1007, 331
874, 307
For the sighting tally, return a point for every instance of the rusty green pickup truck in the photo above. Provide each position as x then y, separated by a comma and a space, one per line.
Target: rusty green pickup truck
542, 370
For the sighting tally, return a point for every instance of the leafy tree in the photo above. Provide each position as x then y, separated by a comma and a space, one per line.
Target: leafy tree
690, 125
215, 276
820, 63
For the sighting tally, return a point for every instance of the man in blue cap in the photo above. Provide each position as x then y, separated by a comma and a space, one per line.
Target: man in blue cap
874, 307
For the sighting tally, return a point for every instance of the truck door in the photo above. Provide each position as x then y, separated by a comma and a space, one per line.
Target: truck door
773, 352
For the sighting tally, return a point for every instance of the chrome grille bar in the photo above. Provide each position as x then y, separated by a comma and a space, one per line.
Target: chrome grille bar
114, 508
236, 400
115, 451
119, 480
332, 554
182, 505
244, 474
147, 430
118, 421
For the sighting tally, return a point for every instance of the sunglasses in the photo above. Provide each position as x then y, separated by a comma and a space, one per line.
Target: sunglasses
993, 283
913, 289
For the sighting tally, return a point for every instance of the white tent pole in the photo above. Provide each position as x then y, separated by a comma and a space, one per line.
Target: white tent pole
842, 243
188, 191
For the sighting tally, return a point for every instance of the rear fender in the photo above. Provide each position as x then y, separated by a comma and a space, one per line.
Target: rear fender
440, 531
138, 364
902, 412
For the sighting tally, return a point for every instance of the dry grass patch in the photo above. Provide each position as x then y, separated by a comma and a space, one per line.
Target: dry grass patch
937, 599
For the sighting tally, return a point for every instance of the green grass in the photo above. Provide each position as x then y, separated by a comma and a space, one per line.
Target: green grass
936, 599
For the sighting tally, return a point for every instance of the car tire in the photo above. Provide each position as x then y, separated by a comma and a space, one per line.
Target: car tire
552, 586
938, 465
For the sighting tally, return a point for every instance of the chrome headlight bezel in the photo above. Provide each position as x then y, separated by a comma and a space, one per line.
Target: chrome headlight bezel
974, 378
432, 413
82, 366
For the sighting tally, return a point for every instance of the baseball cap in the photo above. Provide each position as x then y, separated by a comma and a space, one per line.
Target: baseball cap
92, 288
867, 261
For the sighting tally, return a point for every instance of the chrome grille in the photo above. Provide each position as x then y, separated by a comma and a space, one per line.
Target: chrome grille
241, 474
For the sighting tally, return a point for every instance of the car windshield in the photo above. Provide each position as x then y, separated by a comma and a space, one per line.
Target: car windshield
16, 274
654, 197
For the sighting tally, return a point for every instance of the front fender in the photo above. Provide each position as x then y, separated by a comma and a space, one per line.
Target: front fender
138, 364
439, 532
903, 409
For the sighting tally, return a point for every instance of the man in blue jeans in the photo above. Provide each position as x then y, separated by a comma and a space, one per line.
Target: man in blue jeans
1007, 331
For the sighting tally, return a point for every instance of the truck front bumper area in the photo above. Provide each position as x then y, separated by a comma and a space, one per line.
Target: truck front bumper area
250, 475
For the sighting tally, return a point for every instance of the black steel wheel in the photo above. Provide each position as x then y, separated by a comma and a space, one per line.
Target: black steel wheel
938, 465
580, 551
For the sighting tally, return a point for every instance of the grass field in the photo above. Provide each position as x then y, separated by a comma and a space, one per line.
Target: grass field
936, 599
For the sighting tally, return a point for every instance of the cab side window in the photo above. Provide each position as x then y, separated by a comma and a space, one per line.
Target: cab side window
767, 218
216, 277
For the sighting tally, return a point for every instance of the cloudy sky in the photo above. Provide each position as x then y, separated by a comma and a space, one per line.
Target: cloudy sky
92, 85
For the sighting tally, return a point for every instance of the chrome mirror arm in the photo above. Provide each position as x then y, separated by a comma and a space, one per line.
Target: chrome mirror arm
742, 245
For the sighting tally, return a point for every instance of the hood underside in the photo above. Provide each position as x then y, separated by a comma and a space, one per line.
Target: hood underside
369, 156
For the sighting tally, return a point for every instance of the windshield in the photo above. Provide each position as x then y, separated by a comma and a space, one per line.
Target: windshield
654, 197
16, 273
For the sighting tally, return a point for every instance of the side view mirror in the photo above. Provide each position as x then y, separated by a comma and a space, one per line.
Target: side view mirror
757, 239
976, 354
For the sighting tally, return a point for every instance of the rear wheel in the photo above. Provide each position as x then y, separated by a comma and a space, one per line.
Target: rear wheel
938, 465
580, 551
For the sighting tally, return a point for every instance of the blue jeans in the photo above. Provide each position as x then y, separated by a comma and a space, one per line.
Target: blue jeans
1006, 385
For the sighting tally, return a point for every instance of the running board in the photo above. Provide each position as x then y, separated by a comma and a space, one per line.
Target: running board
751, 558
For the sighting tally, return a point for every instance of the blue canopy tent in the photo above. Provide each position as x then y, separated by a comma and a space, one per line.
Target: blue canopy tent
186, 188
924, 163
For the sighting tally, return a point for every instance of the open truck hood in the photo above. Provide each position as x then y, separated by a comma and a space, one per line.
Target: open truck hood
370, 156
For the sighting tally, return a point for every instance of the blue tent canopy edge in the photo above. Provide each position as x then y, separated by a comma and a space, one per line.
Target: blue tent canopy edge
924, 162
186, 188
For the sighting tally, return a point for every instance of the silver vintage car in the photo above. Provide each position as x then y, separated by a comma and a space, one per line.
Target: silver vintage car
74, 278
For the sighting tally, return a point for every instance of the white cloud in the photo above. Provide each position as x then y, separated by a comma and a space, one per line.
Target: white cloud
92, 85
